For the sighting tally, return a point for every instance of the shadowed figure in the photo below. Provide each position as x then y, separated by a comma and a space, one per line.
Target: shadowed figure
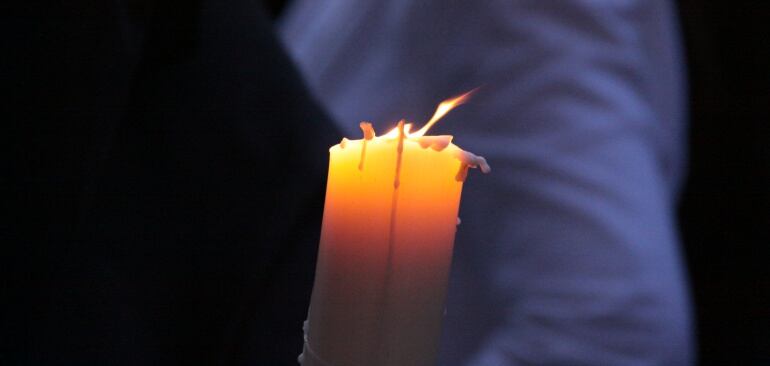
163, 186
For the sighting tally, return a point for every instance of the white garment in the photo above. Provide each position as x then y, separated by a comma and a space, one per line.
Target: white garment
568, 252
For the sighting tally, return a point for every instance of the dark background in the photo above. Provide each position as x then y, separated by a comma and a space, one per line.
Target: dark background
725, 207
161, 187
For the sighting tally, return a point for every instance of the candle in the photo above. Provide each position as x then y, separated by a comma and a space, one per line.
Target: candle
388, 230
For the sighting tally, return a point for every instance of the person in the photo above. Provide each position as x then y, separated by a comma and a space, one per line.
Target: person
568, 253
162, 186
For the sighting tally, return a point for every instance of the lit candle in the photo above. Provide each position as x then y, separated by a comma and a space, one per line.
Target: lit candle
386, 246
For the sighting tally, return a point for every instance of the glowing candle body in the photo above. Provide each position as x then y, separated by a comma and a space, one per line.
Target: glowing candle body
386, 246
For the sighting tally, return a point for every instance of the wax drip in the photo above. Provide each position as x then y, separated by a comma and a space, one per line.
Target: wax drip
400, 150
470, 160
462, 173
368, 130
344, 142
382, 353
437, 143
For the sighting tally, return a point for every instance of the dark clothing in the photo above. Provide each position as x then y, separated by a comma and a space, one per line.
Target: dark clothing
162, 179
725, 211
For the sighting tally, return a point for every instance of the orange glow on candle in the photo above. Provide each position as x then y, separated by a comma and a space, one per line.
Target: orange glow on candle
386, 244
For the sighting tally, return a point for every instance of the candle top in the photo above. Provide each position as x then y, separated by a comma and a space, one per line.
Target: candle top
402, 133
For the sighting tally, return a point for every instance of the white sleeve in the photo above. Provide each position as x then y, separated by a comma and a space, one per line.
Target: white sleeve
567, 253
580, 209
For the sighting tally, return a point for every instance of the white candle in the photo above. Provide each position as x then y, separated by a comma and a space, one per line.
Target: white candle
386, 246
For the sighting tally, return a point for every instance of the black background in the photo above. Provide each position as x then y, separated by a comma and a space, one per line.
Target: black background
725, 208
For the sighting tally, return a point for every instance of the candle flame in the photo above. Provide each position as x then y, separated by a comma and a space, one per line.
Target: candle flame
442, 109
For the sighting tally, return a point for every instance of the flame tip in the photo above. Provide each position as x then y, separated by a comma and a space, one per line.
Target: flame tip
442, 109
445, 107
